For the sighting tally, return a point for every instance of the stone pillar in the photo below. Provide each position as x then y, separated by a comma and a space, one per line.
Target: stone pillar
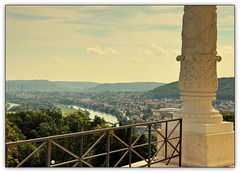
198, 75
207, 140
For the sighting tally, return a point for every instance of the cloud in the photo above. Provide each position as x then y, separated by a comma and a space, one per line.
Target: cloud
159, 49
56, 60
99, 51
155, 50
227, 20
226, 29
166, 7
134, 58
156, 53
59, 12
227, 51
170, 19
146, 52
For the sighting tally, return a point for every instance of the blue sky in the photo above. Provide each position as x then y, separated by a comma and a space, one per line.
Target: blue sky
104, 43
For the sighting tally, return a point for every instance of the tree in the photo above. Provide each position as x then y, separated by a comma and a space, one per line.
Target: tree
48, 122
12, 134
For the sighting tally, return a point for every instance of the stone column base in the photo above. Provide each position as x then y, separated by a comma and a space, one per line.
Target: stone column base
205, 145
208, 150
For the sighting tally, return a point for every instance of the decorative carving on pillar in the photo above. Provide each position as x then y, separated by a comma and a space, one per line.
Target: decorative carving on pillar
198, 74
199, 34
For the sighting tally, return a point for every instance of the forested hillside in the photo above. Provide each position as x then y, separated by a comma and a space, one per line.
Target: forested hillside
135, 86
226, 90
45, 85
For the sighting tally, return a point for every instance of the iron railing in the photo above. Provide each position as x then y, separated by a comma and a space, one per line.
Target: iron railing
230, 118
164, 136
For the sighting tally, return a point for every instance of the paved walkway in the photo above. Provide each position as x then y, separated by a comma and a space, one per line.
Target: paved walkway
156, 165
159, 165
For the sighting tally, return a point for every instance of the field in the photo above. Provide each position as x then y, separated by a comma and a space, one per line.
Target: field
65, 110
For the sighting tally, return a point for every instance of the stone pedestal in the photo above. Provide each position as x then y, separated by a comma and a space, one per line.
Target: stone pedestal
208, 145
203, 145
207, 140
208, 150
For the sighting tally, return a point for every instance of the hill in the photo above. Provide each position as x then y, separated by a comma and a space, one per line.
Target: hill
135, 86
45, 85
226, 90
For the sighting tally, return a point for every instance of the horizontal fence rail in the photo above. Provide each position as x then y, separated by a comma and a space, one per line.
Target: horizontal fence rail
165, 137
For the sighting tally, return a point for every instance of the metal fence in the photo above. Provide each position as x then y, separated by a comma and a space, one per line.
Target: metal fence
165, 140
230, 118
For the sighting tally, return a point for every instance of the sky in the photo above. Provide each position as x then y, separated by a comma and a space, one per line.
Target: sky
105, 44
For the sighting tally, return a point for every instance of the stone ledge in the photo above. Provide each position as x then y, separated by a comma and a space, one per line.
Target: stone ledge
163, 165
203, 128
156, 165
208, 128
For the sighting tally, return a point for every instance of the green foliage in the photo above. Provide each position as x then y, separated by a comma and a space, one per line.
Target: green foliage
12, 133
166, 91
228, 116
77, 122
135, 86
226, 89
34, 124
18, 153
33, 105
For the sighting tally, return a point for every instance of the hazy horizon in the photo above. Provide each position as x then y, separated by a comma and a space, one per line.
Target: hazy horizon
103, 82
81, 81
104, 44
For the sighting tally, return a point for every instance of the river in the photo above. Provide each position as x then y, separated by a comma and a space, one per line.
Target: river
12, 104
107, 117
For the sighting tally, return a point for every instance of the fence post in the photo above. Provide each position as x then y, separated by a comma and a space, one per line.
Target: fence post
81, 149
6, 156
166, 139
180, 144
149, 144
48, 159
108, 148
130, 143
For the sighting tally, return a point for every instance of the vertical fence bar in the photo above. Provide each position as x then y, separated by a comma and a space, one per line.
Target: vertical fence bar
48, 159
180, 144
81, 149
166, 139
6, 156
130, 143
149, 144
108, 149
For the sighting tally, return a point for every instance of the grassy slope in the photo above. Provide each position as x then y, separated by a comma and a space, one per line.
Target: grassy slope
66, 110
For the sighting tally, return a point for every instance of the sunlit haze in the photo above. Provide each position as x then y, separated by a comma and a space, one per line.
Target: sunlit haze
105, 44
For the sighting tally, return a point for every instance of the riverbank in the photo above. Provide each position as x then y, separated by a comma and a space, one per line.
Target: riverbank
11, 105
107, 117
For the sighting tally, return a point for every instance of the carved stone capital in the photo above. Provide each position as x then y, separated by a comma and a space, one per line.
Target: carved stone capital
198, 73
